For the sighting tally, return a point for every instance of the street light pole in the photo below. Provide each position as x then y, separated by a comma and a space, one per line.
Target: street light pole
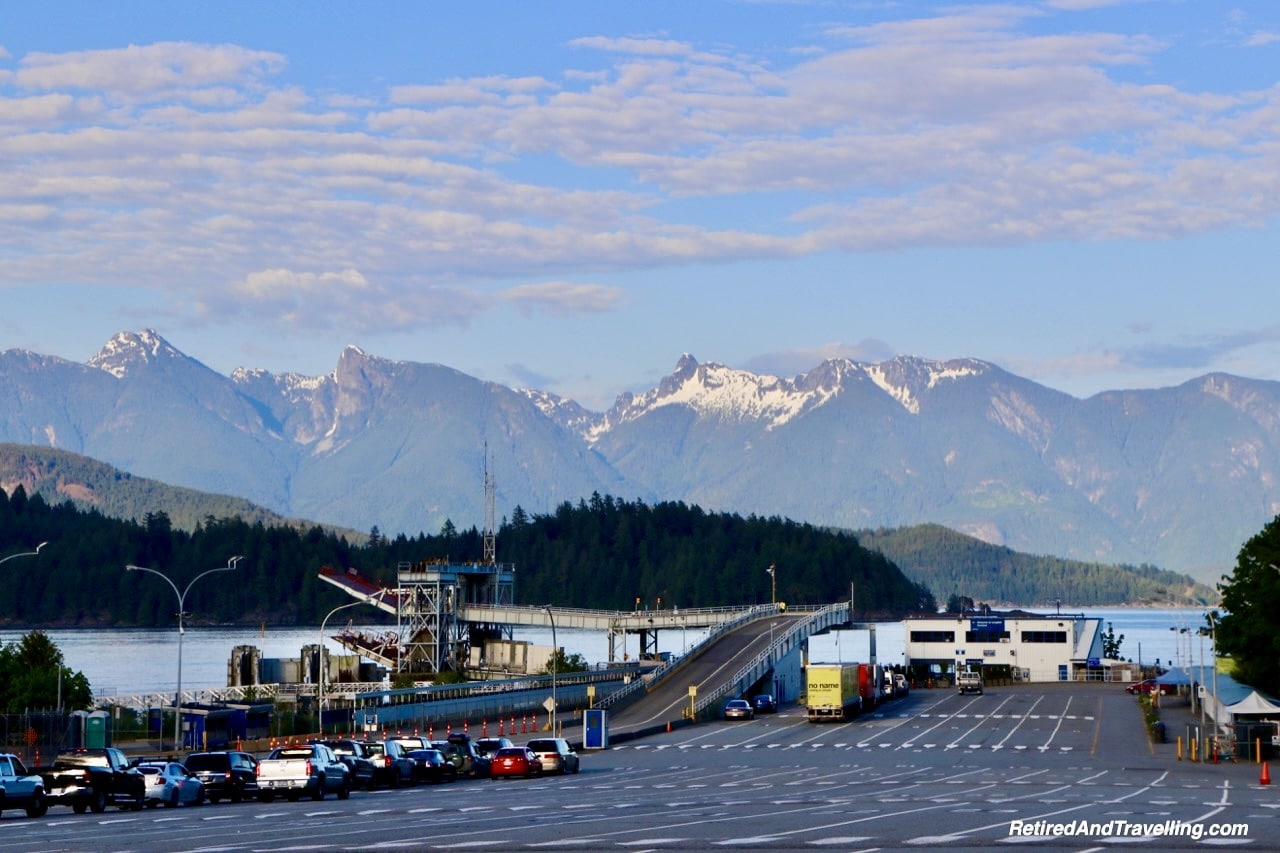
555, 664
320, 693
182, 598
773, 583
24, 553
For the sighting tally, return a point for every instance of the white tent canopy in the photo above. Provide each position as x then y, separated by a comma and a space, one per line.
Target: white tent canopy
1254, 703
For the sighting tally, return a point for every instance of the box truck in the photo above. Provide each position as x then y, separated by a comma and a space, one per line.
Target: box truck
831, 691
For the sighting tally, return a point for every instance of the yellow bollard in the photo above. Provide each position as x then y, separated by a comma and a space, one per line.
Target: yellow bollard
1179, 747
1193, 749
1257, 749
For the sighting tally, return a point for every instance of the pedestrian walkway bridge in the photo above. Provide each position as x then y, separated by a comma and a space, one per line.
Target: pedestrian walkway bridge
441, 607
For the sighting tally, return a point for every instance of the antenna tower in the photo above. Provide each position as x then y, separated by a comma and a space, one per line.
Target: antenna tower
490, 514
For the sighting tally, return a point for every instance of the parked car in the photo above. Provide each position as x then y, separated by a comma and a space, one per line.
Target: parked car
359, 760
169, 784
1151, 686
310, 769
463, 753
90, 779
739, 709
516, 761
556, 754
20, 789
764, 703
229, 774
392, 765
410, 742
430, 765
969, 681
489, 746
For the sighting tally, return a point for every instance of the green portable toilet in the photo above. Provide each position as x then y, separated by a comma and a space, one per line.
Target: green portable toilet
97, 730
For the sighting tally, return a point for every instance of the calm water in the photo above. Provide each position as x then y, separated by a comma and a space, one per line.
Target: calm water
135, 661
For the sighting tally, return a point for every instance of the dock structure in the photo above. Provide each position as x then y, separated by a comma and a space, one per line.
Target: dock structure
443, 610
429, 601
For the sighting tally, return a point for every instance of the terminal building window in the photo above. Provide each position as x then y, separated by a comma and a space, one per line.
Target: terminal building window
985, 636
1044, 636
933, 636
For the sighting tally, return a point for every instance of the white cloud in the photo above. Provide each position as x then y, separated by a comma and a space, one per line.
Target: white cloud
145, 69
1261, 39
181, 167
563, 298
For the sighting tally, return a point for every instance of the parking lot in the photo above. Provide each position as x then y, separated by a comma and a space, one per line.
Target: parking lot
932, 769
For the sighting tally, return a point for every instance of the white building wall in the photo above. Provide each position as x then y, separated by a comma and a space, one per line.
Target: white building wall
1038, 661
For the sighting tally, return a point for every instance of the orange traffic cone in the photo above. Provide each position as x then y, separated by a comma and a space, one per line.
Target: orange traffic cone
1266, 775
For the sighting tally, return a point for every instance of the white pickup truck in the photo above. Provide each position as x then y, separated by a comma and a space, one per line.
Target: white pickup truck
20, 789
969, 682
312, 769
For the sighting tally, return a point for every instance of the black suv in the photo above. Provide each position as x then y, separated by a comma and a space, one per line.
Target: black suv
229, 774
463, 753
360, 760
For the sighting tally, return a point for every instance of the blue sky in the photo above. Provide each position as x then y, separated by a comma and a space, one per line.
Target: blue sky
570, 195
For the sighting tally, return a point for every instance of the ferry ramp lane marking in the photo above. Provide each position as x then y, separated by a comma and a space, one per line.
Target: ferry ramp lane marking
959, 835
909, 718
1137, 791
1061, 718
1022, 719
944, 719
1065, 787
983, 721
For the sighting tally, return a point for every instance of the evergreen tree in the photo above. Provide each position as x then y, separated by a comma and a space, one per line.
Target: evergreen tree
1251, 599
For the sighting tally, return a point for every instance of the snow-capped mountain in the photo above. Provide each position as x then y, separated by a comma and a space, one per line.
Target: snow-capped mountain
1179, 477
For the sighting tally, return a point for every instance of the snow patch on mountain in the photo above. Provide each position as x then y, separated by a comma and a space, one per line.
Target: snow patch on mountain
716, 391
129, 348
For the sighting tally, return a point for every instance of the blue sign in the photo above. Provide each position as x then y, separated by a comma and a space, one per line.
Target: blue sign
1095, 662
986, 624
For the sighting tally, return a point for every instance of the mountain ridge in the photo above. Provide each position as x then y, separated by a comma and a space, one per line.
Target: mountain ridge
1176, 476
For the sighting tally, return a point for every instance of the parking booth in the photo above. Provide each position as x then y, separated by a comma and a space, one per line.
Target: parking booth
595, 729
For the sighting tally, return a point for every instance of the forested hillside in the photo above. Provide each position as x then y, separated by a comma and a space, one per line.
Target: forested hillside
58, 476
604, 554
952, 564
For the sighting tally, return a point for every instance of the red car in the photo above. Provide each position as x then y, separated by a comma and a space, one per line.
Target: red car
515, 761
1150, 686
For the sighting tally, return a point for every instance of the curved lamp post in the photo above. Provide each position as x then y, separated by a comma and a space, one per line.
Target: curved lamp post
182, 598
555, 665
773, 583
368, 599
25, 553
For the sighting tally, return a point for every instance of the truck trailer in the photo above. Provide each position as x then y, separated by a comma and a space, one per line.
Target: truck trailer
832, 692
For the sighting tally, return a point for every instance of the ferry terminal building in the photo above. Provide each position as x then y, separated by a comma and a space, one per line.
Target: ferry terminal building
1014, 644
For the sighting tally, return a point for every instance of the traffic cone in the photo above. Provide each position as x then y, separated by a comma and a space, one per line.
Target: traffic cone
500, 723
431, 732
1266, 775
466, 727
484, 728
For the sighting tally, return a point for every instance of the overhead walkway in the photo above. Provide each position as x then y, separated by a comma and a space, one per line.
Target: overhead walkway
458, 608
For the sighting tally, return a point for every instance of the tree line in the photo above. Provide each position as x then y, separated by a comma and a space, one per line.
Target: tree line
600, 553
953, 564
